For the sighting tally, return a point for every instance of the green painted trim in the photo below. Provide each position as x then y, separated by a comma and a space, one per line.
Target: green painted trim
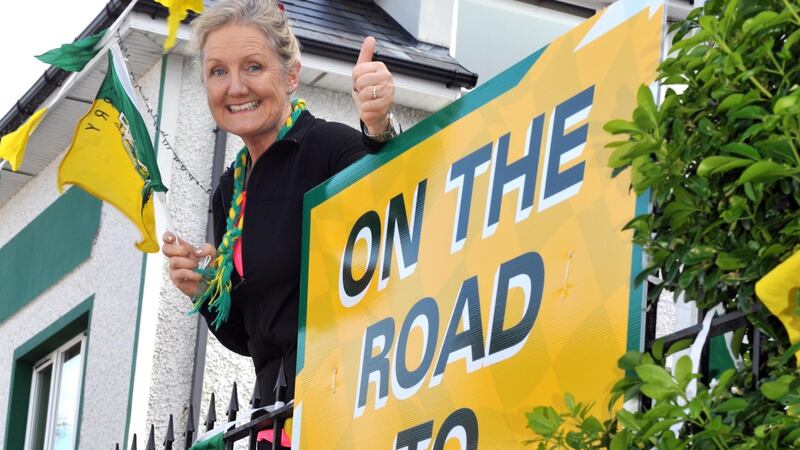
638, 296
17, 413
434, 123
52, 245
135, 350
83, 380
26, 355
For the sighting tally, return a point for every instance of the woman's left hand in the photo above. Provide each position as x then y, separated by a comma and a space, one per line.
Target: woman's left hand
373, 89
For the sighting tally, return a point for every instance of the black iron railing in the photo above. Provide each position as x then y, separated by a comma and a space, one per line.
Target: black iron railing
720, 325
235, 428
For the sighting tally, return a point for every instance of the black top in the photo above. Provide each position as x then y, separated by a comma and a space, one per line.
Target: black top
264, 307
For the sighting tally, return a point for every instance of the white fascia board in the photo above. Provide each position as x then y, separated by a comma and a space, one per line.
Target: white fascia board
158, 26
407, 88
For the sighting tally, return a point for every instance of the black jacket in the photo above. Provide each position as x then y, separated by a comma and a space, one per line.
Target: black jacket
264, 307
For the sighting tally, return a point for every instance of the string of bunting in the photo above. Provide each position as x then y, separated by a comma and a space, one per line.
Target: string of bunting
153, 116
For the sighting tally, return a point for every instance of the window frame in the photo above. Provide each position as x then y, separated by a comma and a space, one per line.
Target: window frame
75, 321
55, 360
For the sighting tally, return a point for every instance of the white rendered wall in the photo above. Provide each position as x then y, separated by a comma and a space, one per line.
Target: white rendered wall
112, 275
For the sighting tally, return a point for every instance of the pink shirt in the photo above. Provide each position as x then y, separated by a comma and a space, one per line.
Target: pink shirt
237, 247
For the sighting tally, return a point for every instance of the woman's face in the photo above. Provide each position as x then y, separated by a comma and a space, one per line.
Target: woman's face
246, 85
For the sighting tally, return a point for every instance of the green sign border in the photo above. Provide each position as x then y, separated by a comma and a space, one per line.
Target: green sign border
448, 115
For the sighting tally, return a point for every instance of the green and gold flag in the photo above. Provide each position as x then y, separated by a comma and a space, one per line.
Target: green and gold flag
73, 57
112, 156
778, 291
178, 10
12, 145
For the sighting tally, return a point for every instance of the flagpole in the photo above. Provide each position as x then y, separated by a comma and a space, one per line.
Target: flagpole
162, 198
106, 42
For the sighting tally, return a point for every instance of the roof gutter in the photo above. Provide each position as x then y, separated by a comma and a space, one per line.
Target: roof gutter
450, 78
54, 77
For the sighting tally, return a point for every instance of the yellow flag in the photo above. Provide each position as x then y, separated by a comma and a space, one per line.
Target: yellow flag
12, 145
177, 12
111, 156
778, 290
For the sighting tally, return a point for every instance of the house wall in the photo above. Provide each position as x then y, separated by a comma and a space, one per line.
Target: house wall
112, 275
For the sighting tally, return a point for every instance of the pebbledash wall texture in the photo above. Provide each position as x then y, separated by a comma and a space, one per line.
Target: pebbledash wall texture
111, 275
175, 332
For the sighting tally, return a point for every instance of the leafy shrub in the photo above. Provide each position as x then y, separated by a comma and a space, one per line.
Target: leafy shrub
721, 163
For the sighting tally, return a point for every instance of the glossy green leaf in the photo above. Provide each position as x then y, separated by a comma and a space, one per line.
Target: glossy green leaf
732, 405
749, 112
741, 149
544, 420
651, 373
683, 370
644, 98
763, 171
774, 390
729, 261
678, 346
591, 425
784, 103
629, 360
656, 392
619, 126
620, 441
720, 164
657, 350
758, 22
731, 101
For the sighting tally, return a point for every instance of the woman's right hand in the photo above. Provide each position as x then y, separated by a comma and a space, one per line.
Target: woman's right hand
183, 259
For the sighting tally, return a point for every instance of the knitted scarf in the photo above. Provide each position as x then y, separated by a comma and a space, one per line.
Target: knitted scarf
215, 288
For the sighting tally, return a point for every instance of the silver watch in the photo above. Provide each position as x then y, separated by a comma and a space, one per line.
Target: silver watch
386, 135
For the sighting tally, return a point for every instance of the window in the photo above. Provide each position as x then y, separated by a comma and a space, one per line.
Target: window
54, 400
47, 380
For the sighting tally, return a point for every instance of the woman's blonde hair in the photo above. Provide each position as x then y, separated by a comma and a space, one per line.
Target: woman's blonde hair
265, 14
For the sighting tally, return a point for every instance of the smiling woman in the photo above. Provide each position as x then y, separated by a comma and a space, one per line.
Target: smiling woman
249, 294
247, 85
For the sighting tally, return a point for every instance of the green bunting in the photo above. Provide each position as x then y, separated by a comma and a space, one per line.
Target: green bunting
73, 57
214, 443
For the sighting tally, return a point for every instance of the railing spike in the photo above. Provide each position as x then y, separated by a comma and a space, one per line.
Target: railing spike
151, 439
233, 405
255, 399
280, 383
169, 438
190, 419
133, 444
189, 433
211, 418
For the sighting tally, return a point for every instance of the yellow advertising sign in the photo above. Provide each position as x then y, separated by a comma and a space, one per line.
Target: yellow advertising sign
475, 268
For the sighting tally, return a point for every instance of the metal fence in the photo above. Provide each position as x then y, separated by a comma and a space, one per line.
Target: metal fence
260, 419
248, 426
720, 325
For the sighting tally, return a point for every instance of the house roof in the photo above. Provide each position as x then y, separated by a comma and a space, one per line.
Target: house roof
336, 28
331, 28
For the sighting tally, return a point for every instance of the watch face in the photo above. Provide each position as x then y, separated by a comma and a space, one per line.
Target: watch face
386, 135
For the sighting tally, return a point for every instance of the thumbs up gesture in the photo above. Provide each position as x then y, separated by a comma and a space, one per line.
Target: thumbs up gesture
373, 89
